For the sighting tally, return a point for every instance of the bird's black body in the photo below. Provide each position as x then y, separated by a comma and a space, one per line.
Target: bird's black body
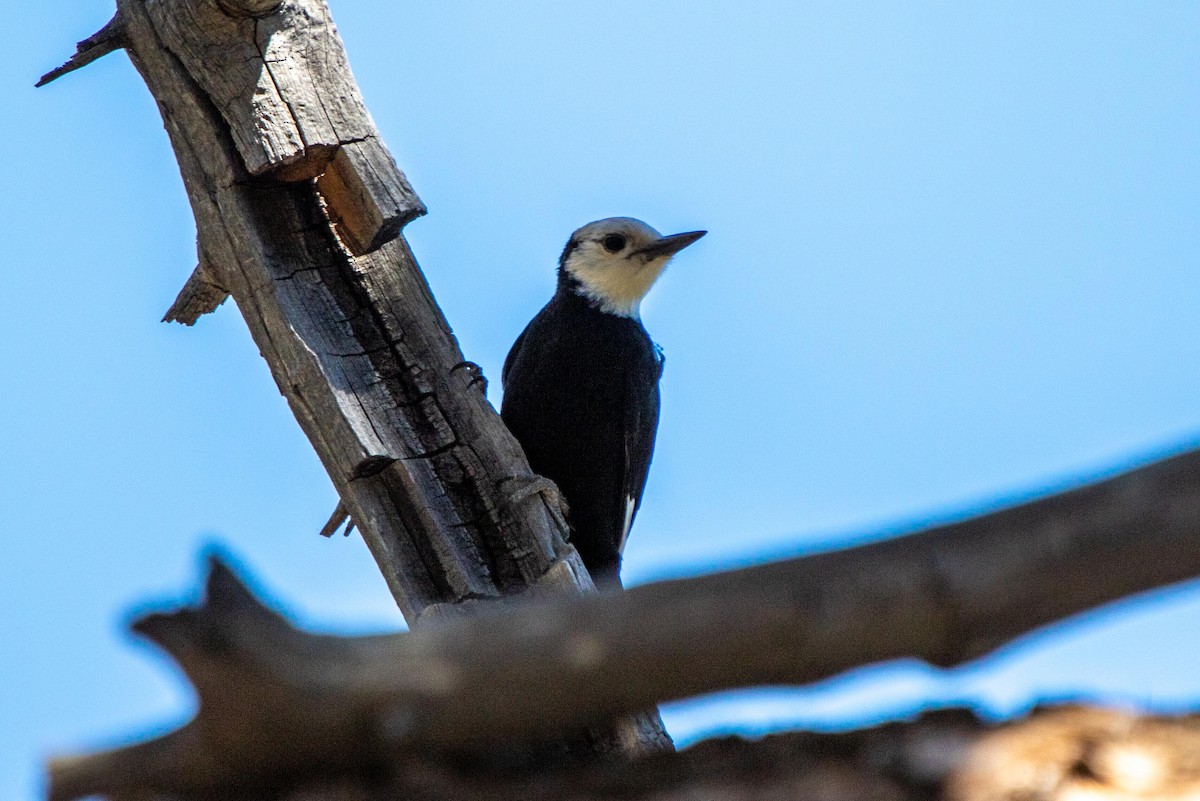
581, 396
581, 384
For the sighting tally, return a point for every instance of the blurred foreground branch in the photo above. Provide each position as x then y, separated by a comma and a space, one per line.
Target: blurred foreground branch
278, 705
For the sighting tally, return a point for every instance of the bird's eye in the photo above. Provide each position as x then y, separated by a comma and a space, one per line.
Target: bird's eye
613, 242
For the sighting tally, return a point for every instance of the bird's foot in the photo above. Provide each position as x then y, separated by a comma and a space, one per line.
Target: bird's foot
475, 373
518, 488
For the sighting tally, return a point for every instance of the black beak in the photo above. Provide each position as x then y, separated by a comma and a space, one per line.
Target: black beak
668, 245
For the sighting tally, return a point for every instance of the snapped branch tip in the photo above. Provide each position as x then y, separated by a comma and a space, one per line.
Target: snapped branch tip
109, 38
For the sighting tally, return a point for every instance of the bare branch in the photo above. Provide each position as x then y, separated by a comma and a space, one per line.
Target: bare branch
945, 595
109, 38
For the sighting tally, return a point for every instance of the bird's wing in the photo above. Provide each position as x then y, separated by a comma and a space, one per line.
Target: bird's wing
641, 425
511, 358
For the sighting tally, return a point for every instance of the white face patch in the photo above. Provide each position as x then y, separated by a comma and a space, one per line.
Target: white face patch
608, 267
617, 283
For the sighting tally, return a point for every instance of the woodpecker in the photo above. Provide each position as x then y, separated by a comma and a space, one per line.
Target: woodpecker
581, 384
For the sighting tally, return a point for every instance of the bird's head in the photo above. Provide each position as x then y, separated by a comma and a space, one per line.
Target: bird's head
614, 262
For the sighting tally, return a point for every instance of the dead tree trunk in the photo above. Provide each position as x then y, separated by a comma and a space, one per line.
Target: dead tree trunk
298, 210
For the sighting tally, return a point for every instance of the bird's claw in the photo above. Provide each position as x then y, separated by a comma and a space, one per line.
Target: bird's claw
476, 374
521, 487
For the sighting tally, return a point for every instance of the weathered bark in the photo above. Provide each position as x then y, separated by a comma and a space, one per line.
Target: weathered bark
355, 343
276, 701
1068, 753
298, 208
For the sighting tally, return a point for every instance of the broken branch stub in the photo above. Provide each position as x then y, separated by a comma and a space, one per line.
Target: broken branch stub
200, 295
281, 82
108, 39
367, 208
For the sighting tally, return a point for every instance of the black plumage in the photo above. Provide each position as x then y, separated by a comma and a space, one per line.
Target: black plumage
581, 396
581, 385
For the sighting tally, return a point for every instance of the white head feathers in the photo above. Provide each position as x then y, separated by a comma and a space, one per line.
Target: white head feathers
615, 261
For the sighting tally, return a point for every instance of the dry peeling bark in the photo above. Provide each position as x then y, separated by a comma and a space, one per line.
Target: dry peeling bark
278, 704
298, 210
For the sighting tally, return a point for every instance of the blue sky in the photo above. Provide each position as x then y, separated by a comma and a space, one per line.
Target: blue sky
952, 262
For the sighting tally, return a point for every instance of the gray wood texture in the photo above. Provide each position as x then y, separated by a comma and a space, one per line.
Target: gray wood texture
275, 700
356, 343
298, 209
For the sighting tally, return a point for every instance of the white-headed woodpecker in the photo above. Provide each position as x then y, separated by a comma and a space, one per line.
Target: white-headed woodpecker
581, 384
